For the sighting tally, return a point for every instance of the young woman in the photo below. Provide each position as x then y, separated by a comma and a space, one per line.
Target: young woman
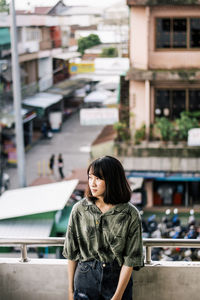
104, 236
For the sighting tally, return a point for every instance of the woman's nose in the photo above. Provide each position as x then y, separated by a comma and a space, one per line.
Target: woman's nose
93, 182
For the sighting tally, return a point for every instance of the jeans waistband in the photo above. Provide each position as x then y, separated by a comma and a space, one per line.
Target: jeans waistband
94, 263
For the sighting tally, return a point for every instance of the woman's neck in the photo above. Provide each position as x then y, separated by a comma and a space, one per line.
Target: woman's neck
104, 207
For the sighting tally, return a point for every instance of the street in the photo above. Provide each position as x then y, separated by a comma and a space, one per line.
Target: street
73, 142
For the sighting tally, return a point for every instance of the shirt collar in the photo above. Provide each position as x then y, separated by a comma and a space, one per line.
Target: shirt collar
117, 208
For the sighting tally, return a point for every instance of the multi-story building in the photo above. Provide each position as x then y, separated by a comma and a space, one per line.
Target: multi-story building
164, 79
41, 38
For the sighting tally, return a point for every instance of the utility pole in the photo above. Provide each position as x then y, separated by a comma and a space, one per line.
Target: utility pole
17, 99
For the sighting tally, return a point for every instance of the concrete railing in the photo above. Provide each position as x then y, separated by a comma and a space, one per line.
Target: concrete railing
47, 279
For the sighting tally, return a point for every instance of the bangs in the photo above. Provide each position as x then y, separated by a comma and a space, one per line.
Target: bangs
96, 170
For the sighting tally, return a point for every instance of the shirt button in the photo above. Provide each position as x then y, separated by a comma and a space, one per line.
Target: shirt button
104, 265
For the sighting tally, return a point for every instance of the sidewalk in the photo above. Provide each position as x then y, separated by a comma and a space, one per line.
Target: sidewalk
73, 142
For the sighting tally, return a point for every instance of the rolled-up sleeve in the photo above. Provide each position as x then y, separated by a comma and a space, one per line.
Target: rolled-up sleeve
133, 254
71, 249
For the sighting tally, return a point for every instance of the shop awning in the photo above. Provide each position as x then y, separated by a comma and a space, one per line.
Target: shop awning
4, 37
36, 199
165, 176
42, 100
8, 119
67, 55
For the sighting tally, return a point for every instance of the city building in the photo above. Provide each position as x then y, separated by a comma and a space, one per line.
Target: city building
164, 78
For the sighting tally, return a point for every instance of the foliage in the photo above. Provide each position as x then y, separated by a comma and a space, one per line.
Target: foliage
88, 42
185, 123
123, 133
165, 127
193, 114
140, 134
151, 134
109, 52
4, 7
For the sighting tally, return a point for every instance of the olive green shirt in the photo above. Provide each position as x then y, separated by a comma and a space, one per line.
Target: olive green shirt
113, 235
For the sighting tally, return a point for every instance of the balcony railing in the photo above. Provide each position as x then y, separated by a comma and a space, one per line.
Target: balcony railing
148, 244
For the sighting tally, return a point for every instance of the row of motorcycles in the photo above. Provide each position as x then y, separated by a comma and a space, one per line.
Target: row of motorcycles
170, 227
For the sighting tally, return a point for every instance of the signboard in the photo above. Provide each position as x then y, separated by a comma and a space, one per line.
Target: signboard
99, 116
76, 68
194, 137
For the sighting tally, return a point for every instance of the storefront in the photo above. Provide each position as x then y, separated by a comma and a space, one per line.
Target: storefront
170, 189
7, 122
44, 104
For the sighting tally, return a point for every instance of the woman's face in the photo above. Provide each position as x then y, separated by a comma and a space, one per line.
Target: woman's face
97, 185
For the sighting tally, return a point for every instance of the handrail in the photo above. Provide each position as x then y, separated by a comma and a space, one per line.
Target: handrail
55, 241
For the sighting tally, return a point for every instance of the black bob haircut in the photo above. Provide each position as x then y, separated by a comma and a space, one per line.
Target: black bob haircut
111, 170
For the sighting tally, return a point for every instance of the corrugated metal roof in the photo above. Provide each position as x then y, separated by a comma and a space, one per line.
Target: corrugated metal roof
40, 228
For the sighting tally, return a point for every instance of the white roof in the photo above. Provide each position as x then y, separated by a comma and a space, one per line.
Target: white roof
67, 55
38, 228
115, 64
97, 96
135, 182
111, 83
82, 10
7, 119
36, 199
42, 100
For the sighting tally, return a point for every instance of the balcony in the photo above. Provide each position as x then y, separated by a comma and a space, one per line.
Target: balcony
41, 279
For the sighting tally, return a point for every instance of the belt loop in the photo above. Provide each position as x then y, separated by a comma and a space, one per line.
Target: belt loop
94, 264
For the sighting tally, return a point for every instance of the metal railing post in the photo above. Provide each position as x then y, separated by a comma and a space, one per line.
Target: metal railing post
148, 255
24, 256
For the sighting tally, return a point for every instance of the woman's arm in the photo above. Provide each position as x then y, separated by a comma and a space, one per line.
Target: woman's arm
71, 271
124, 277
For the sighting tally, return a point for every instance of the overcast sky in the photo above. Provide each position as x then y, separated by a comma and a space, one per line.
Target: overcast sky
23, 4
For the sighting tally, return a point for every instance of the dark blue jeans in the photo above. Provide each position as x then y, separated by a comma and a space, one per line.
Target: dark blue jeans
95, 280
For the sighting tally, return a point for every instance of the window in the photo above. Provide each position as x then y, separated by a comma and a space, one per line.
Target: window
194, 104
162, 103
33, 34
19, 34
178, 103
195, 33
177, 33
170, 103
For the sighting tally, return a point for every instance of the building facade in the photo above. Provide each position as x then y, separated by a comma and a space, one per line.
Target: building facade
164, 79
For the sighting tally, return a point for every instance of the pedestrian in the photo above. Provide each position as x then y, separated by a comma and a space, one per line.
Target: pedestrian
103, 242
60, 166
51, 163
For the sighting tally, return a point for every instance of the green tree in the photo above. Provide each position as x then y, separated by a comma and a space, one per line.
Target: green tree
109, 52
4, 6
88, 42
